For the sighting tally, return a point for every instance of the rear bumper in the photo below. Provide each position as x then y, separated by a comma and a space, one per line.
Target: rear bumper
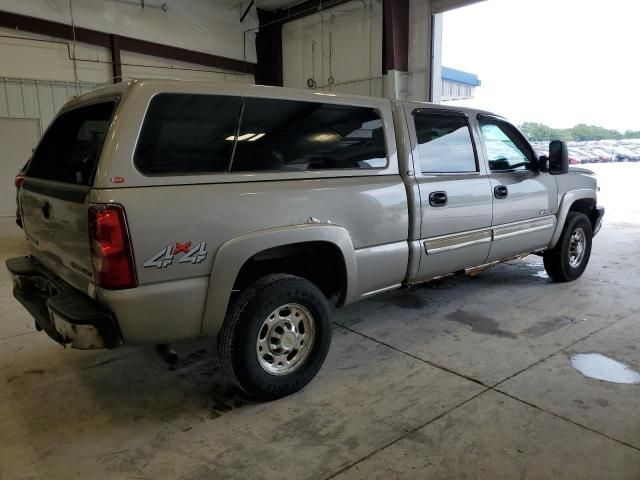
598, 213
65, 314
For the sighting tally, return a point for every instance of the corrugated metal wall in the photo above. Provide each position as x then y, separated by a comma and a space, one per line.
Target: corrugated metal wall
18, 136
455, 91
39, 99
339, 49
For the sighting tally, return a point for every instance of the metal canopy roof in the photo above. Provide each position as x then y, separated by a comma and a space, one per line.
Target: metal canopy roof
437, 6
276, 4
459, 76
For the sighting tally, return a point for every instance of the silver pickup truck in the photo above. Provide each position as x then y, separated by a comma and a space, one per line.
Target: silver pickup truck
158, 211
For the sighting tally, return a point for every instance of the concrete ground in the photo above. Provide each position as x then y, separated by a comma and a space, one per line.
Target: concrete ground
465, 378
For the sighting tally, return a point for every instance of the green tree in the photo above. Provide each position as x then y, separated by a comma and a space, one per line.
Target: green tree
539, 132
583, 132
563, 134
632, 134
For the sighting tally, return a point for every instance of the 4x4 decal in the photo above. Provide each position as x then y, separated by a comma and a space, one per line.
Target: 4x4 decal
167, 255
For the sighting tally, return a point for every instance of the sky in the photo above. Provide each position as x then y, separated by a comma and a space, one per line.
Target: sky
558, 62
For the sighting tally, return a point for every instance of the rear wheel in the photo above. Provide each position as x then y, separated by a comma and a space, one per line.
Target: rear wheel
569, 258
276, 336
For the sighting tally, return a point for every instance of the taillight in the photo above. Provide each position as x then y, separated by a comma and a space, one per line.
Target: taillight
110, 247
19, 181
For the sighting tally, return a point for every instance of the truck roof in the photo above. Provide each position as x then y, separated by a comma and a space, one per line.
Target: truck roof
249, 90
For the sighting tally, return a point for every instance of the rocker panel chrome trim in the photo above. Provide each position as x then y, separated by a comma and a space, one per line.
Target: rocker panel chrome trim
454, 241
457, 240
523, 227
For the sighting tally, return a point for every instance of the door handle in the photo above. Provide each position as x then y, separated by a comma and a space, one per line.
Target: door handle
438, 199
501, 191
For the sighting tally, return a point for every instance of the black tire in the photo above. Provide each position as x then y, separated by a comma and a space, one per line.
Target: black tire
238, 339
557, 261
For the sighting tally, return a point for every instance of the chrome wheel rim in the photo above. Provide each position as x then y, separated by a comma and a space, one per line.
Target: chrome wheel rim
285, 339
577, 247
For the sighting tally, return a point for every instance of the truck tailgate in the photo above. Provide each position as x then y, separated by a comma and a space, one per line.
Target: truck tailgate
55, 219
54, 197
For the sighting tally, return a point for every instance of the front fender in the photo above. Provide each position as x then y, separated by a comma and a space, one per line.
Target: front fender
563, 210
233, 254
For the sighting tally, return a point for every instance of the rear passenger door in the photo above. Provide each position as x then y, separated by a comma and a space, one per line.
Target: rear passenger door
455, 193
525, 200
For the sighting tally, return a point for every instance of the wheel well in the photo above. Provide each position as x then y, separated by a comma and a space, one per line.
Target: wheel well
319, 262
586, 206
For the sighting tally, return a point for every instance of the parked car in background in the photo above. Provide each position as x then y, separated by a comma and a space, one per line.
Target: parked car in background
541, 152
592, 158
603, 155
583, 155
578, 156
636, 150
625, 154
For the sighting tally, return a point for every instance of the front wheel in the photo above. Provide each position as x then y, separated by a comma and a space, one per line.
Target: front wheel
276, 336
569, 258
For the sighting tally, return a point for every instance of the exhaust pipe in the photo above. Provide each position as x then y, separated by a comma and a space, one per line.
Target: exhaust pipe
167, 353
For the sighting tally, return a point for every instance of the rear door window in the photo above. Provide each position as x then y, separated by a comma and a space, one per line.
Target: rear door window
70, 149
287, 135
444, 143
187, 134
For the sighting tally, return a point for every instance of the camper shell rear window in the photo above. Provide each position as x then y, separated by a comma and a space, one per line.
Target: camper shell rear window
70, 149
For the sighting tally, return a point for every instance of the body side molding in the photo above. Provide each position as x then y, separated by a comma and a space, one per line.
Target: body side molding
445, 243
523, 227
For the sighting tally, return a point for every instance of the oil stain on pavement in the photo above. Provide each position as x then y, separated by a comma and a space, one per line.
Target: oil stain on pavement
479, 323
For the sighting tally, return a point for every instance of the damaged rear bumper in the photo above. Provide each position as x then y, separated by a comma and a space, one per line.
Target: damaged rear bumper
65, 314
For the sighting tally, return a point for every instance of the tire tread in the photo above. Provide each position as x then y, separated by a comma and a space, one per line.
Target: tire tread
232, 351
225, 339
555, 262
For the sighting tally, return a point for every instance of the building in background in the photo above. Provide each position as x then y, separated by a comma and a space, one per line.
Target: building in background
457, 84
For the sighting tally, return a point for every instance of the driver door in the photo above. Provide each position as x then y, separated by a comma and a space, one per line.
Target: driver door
525, 200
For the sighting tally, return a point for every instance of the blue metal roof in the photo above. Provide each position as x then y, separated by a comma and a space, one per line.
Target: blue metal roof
459, 76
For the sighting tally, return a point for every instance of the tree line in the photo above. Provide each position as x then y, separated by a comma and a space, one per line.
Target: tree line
581, 132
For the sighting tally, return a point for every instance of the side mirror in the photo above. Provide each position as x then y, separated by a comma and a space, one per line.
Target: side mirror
558, 158
543, 163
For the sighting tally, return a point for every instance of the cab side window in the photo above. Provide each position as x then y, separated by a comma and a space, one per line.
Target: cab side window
289, 135
187, 134
444, 143
507, 150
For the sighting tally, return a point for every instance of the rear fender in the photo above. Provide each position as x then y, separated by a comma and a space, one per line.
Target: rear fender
233, 254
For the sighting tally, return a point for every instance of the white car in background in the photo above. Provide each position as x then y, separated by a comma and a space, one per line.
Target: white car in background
625, 154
